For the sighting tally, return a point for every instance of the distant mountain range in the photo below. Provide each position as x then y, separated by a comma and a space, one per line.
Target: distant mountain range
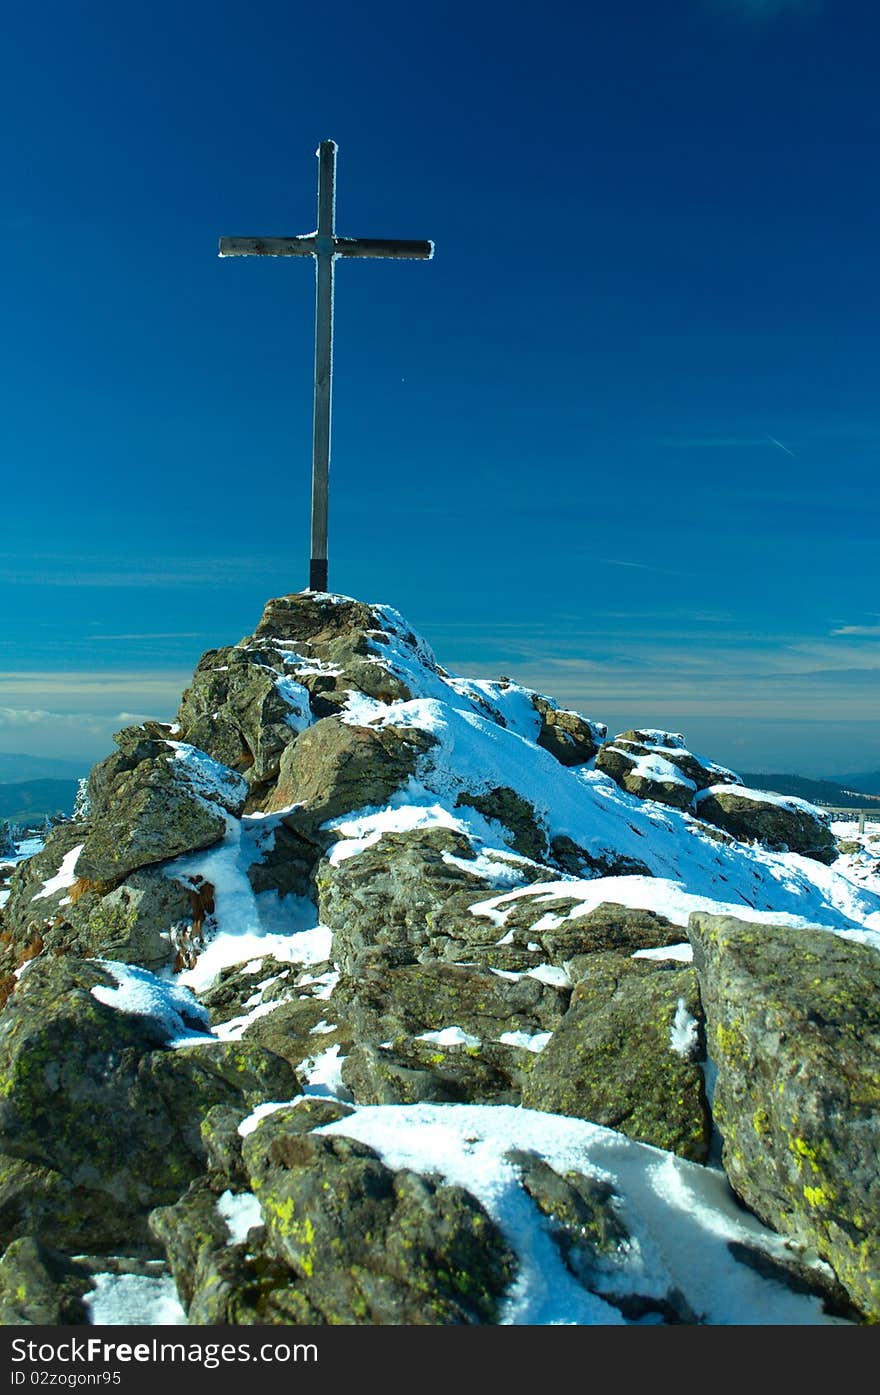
844, 792
25, 801
14, 766
865, 784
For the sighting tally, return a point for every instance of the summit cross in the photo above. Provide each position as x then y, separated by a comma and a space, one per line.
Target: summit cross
325, 246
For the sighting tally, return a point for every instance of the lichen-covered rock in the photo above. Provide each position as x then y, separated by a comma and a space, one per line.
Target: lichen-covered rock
626, 1055
409, 891
411, 1070
568, 736
135, 922
657, 765
528, 836
99, 1118
154, 799
41, 1287
334, 768
52, 910
557, 929
785, 824
336, 645
243, 707
646, 775
385, 998
793, 1027
338, 1237
369, 1245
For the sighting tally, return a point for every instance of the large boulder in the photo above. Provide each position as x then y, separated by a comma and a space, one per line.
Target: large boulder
385, 998
99, 1113
332, 1236
793, 1027
568, 736
137, 921
335, 768
154, 799
627, 1055
243, 707
657, 765
411, 891
781, 822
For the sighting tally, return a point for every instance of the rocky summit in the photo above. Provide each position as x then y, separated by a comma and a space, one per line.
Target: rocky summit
367, 993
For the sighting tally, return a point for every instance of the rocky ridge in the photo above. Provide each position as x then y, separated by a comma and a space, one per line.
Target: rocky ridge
387, 898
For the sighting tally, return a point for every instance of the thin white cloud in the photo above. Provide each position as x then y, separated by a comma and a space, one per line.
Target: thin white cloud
872, 630
773, 441
640, 566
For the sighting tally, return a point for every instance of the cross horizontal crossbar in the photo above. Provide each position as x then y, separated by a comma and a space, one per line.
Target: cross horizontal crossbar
342, 247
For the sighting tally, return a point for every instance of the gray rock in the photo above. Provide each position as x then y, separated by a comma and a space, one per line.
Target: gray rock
613, 1060
243, 707
335, 768
148, 806
671, 774
562, 935
568, 736
403, 892
369, 1245
410, 1071
793, 1027
384, 999
528, 836
751, 817
99, 1119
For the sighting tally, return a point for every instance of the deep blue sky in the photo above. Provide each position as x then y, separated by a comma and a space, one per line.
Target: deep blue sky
619, 439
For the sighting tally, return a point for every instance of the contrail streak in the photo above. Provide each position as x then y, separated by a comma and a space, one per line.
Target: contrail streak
782, 447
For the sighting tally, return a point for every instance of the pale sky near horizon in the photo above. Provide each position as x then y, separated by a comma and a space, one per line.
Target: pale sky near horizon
619, 440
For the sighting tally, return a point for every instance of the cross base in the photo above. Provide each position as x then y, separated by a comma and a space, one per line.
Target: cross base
318, 574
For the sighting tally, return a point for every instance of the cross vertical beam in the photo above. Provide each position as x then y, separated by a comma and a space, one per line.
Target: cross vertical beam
325, 246
324, 259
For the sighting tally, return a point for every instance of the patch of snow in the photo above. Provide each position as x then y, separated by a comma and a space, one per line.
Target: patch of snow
549, 973
261, 1112
247, 925
327, 981
684, 1032
490, 868
241, 1211
142, 994
235, 1028
207, 777
64, 878
654, 767
450, 1036
323, 1075
134, 1300
683, 952
681, 1217
535, 1041
296, 697
322, 1028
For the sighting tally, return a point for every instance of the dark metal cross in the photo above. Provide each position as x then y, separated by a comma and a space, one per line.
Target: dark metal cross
325, 247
